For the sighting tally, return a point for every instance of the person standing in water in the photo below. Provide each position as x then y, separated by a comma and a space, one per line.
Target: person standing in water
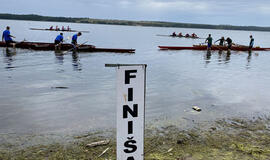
251, 43
209, 41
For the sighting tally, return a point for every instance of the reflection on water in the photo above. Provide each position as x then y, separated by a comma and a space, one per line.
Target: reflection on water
59, 56
9, 57
76, 61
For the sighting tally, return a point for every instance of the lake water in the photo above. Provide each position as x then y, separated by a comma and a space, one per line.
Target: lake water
223, 86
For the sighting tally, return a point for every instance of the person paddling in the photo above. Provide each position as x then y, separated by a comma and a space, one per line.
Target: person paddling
221, 41
180, 34
58, 41
229, 42
251, 43
209, 41
74, 39
173, 34
194, 35
8, 37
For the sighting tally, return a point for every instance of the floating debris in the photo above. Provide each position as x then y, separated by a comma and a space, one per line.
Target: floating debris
196, 108
59, 87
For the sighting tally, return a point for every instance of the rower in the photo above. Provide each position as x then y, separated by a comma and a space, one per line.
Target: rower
58, 41
194, 35
229, 42
7, 37
209, 41
63, 28
221, 41
74, 39
180, 34
56, 28
187, 35
51, 28
251, 43
173, 34
68, 28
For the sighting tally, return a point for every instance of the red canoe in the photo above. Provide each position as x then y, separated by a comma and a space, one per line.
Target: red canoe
214, 47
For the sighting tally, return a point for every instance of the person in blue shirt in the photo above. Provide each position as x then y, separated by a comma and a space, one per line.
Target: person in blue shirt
74, 38
59, 39
7, 37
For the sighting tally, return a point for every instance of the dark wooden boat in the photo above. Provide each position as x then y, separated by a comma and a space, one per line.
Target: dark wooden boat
214, 47
59, 30
65, 47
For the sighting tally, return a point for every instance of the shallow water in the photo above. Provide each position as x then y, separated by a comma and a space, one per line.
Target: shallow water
222, 85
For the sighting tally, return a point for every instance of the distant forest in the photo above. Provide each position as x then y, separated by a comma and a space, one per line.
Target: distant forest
34, 17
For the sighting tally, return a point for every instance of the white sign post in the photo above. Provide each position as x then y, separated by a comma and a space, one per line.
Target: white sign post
130, 111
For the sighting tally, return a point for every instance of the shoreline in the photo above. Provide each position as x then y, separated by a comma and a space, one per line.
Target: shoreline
86, 20
233, 138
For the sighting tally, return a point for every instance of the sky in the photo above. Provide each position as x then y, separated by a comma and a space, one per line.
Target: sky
229, 12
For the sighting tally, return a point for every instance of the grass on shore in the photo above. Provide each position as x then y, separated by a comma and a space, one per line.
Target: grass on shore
226, 139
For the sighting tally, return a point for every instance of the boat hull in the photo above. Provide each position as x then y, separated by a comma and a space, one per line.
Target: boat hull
214, 47
65, 47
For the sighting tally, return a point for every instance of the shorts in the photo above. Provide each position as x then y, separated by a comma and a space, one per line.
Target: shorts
56, 42
8, 42
209, 45
250, 47
229, 46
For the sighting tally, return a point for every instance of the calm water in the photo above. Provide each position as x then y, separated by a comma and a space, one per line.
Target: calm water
223, 86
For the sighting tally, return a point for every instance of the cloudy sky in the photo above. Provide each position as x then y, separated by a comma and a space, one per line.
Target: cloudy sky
233, 12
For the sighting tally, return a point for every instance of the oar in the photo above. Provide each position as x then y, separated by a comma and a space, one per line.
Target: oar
73, 48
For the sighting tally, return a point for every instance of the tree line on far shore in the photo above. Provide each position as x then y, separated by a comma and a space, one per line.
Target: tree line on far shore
34, 17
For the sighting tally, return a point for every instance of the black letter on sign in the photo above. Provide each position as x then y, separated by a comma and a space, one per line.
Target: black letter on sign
127, 110
128, 76
130, 144
130, 127
130, 94
130, 158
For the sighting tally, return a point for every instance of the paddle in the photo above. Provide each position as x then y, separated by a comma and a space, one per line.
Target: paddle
73, 48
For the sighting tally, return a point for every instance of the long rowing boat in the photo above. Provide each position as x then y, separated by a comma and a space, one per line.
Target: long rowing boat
59, 30
177, 36
214, 47
65, 47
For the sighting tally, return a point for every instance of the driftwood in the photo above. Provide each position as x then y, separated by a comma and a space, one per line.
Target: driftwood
104, 152
99, 143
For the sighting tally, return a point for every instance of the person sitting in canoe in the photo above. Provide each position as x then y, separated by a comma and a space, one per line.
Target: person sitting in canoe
56, 28
180, 34
173, 34
187, 35
63, 28
229, 42
221, 41
51, 28
7, 37
251, 43
209, 41
74, 39
194, 35
68, 28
